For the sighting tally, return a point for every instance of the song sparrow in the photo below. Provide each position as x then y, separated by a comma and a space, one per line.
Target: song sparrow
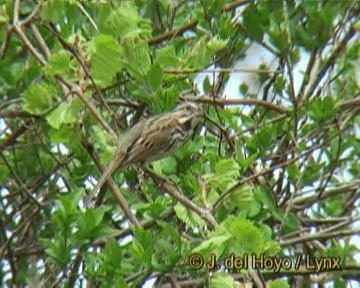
153, 138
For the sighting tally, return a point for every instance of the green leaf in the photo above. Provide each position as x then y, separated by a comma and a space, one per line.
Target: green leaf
65, 113
166, 166
136, 58
59, 64
279, 283
311, 173
137, 250
255, 22
279, 37
269, 205
105, 59
143, 246
165, 99
247, 162
166, 57
113, 253
188, 216
91, 226
226, 28
154, 77
57, 250
272, 248
143, 55
200, 55
357, 25
262, 140
293, 172
53, 10
247, 237
38, 98
123, 22
4, 172
17, 72
67, 212
216, 44
3, 19
215, 244
243, 88
242, 197
291, 222
223, 280
226, 171
322, 109
279, 84
207, 85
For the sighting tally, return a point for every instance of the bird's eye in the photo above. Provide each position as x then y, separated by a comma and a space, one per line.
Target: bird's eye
188, 108
187, 125
191, 107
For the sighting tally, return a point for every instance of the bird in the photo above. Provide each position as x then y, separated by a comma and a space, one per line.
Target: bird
153, 138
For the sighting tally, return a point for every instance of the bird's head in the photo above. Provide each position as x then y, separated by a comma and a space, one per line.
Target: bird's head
189, 115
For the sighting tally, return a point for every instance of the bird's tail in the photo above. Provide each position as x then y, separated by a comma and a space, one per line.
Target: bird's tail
113, 165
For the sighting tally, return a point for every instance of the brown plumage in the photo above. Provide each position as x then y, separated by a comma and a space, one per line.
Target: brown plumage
153, 138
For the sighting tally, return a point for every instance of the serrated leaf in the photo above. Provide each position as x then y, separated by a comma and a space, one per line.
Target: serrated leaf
322, 109
247, 162
188, 216
227, 168
137, 250
242, 197
57, 249
215, 244
272, 248
253, 22
166, 166
166, 57
223, 280
113, 252
136, 58
65, 113
142, 55
216, 44
122, 22
59, 63
105, 59
154, 77
291, 222
226, 171
165, 99
200, 54
250, 237
53, 10
38, 98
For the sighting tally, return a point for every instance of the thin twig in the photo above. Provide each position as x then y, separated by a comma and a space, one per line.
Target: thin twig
236, 101
113, 187
219, 70
234, 5
319, 236
266, 171
164, 185
33, 14
172, 34
45, 49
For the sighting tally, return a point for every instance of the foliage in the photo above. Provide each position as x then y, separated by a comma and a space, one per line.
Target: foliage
279, 179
